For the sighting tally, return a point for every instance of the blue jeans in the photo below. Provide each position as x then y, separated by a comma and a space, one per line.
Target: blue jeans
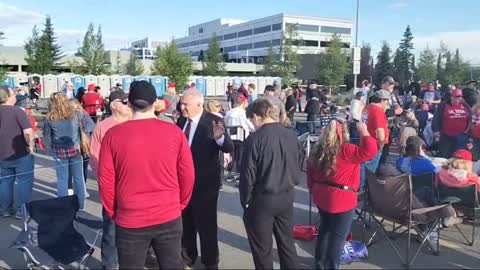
332, 232
12, 197
372, 166
109, 248
75, 167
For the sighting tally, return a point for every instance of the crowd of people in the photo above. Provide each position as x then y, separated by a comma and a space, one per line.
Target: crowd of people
160, 162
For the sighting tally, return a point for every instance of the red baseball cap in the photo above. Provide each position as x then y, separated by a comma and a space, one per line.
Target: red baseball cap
171, 85
242, 98
91, 87
463, 154
457, 93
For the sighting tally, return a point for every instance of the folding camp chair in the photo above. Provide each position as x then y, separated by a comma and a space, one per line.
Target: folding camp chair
391, 199
469, 205
49, 239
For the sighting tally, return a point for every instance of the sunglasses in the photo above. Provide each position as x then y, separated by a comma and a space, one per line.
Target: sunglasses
124, 102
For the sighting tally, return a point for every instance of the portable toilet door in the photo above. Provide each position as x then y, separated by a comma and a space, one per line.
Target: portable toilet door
268, 81
227, 81
114, 79
49, 85
9, 81
142, 78
220, 88
19, 79
61, 79
201, 84
104, 82
262, 82
159, 83
78, 81
126, 81
210, 86
91, 79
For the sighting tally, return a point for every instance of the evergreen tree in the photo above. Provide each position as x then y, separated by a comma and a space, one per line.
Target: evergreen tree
117, 67
134, 66
176, 66
426, 70
93, 52
440, 73
270, 63
38, 54
366, 66
213, 64
384, 65
54, 47
333, 64
403, 61
290, 61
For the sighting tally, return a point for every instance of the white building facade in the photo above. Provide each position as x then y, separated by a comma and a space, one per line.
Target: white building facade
249, 41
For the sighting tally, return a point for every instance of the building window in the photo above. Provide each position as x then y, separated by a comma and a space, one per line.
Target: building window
244, 47
276, 42
262, 44
305, 27
245, 33
230, 36
323, 44
276, 27
310, 43
261, 30
200, 30
205, 41
336, 30
229, 49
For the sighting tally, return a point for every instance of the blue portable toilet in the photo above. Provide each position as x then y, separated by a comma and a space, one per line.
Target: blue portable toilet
159, 83
237, 82
9, 81
126, 81
78, 81
201, 84
142, 78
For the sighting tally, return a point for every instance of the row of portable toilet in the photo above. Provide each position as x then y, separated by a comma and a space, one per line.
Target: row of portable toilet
217, 86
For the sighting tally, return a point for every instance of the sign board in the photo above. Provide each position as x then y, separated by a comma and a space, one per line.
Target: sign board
356, 67
356, 54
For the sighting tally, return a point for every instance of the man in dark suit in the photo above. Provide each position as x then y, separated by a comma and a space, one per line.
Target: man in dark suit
206, 137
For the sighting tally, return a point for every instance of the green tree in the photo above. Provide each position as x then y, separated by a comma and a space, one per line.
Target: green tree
270, 63
333, 64
38, 54
53, 46
93, 52
384, 65
213, 64
404, 57
117, 67
134, 66
427, 69
366, 63
289, 59
176, 66
3, 71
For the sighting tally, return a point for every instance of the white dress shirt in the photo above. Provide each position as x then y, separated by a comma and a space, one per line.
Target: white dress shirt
238, 117
193, 128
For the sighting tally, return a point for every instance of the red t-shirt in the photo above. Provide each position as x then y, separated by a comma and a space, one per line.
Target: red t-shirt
376, 118
91, 102
145, 173
455, 119
347, 173
476, 124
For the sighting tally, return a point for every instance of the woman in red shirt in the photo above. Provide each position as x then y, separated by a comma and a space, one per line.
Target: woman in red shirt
475, 132
333, 175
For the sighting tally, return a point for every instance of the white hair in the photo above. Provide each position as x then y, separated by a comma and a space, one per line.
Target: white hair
193, 92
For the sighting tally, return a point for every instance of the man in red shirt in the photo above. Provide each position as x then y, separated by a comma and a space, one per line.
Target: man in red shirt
92, 102
377, 126
146, 183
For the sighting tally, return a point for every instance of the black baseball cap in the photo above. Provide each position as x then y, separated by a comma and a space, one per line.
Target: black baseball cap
117, 95
142, 94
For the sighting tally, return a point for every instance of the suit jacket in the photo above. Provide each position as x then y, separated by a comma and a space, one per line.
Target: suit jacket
205, 152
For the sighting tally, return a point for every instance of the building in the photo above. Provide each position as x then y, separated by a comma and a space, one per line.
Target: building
249, 41
145, 49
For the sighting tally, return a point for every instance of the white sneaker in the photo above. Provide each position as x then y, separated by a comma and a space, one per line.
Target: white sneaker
70, 192
87, 195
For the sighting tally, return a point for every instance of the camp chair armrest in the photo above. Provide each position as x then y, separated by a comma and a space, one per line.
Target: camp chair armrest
421, 211
451, 200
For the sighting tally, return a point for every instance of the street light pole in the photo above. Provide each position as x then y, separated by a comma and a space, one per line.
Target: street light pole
356, 45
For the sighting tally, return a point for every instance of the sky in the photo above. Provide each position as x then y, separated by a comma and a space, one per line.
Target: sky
455, 23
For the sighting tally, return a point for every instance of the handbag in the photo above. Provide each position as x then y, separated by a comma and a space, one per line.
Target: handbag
305, 232
84, 139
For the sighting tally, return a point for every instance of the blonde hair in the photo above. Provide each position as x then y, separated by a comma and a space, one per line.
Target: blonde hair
324, 156
171, 91
60, 108
459, 164
76, 105
211, 106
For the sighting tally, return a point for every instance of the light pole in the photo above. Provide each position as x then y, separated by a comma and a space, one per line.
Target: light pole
356, 45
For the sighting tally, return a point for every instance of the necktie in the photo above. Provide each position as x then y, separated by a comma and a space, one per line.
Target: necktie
187, 128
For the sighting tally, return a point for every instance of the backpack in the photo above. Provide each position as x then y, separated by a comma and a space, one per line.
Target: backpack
353, 251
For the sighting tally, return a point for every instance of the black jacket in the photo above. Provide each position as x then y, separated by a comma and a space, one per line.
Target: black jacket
272, 162
205, 152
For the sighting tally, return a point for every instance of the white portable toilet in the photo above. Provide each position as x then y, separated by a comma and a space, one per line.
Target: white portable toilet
104, 82
244, 81
49, 85
228, 80
210, 86
261, 83
114, 79
19, 78
62, 78
90, 79
268, 80
254, 81
220, 88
